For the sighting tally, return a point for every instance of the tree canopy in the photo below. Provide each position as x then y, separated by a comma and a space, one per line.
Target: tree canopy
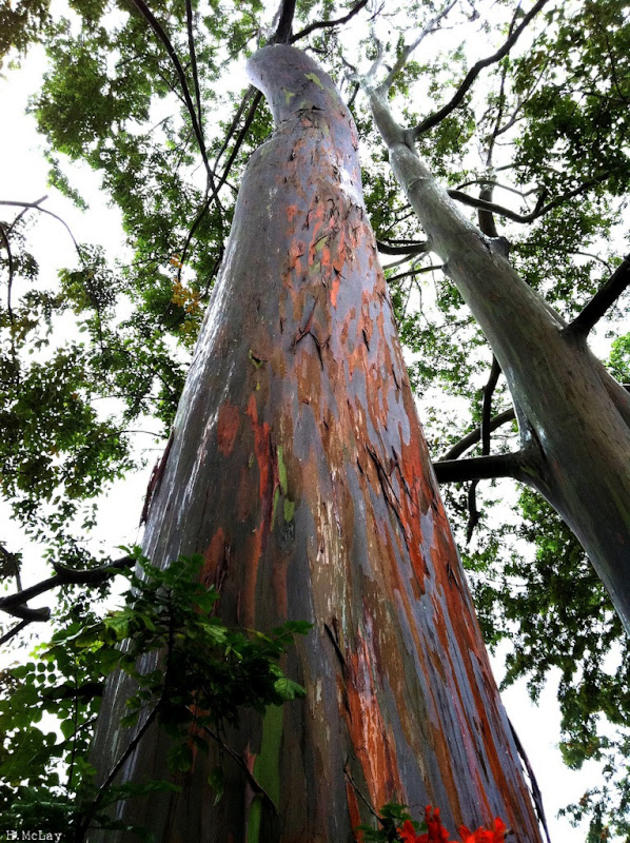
521, 113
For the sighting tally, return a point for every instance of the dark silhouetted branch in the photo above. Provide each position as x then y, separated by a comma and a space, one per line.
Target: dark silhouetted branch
193, 65
404, 249
538, 211
474, 436
15, 604
157, 28
486, 410
284, 29
603, 299
480, 468
36, 207
433, 119
13, 632
327, 24
7, 246
416, 271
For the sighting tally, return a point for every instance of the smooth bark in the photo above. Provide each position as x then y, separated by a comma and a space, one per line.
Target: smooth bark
298, 468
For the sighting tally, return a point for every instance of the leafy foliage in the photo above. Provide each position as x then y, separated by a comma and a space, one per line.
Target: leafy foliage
204, 673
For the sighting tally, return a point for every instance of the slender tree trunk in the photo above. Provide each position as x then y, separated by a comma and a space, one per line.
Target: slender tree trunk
574, 418
298, 468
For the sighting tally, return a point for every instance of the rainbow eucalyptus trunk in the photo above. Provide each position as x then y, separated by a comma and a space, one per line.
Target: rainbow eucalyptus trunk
299, 470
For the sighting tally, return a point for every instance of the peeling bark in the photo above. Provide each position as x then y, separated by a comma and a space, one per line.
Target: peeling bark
298, 468
573, 416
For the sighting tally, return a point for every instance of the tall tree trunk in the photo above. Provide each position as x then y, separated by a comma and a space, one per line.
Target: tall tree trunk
574, 418
298, 468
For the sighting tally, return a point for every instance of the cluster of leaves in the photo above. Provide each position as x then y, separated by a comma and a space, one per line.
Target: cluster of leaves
396, 824
203, 674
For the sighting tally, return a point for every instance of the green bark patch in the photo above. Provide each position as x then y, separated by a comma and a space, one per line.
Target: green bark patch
314, 78
267, 765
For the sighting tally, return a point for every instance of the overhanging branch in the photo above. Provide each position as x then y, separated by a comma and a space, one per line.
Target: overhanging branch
37, 207
480, 468
326, 24
538, 211
157, 28
417, 248
603, 299
474, 436
435, 118
15, 604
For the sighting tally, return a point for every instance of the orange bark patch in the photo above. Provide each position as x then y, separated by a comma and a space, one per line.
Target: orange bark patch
247, 596
354, 812
291, 214
370, 737
262, 445
213, 558
227, 428
334, 291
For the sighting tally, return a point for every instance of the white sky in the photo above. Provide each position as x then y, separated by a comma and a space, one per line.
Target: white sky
23, 175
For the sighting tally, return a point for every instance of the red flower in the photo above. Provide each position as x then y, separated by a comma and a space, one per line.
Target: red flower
407, 833
484, 835
436, 833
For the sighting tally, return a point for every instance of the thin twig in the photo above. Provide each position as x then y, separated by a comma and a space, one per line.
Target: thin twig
7, 246
252, 780
36, 207
415, 271
117, 768
402, 59
155, 25
435, 118
14, 631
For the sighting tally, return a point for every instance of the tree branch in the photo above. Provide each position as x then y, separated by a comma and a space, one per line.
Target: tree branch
480, 468
15, 604
7, 246
486, 409
87, 816
538, 211
405, 249
36, 206
251, 778
474, 436
193, 64
155, 25
401, 61
284, 29
13, 632
326, 24
433, 119
415, 271
487, 226
603, 299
